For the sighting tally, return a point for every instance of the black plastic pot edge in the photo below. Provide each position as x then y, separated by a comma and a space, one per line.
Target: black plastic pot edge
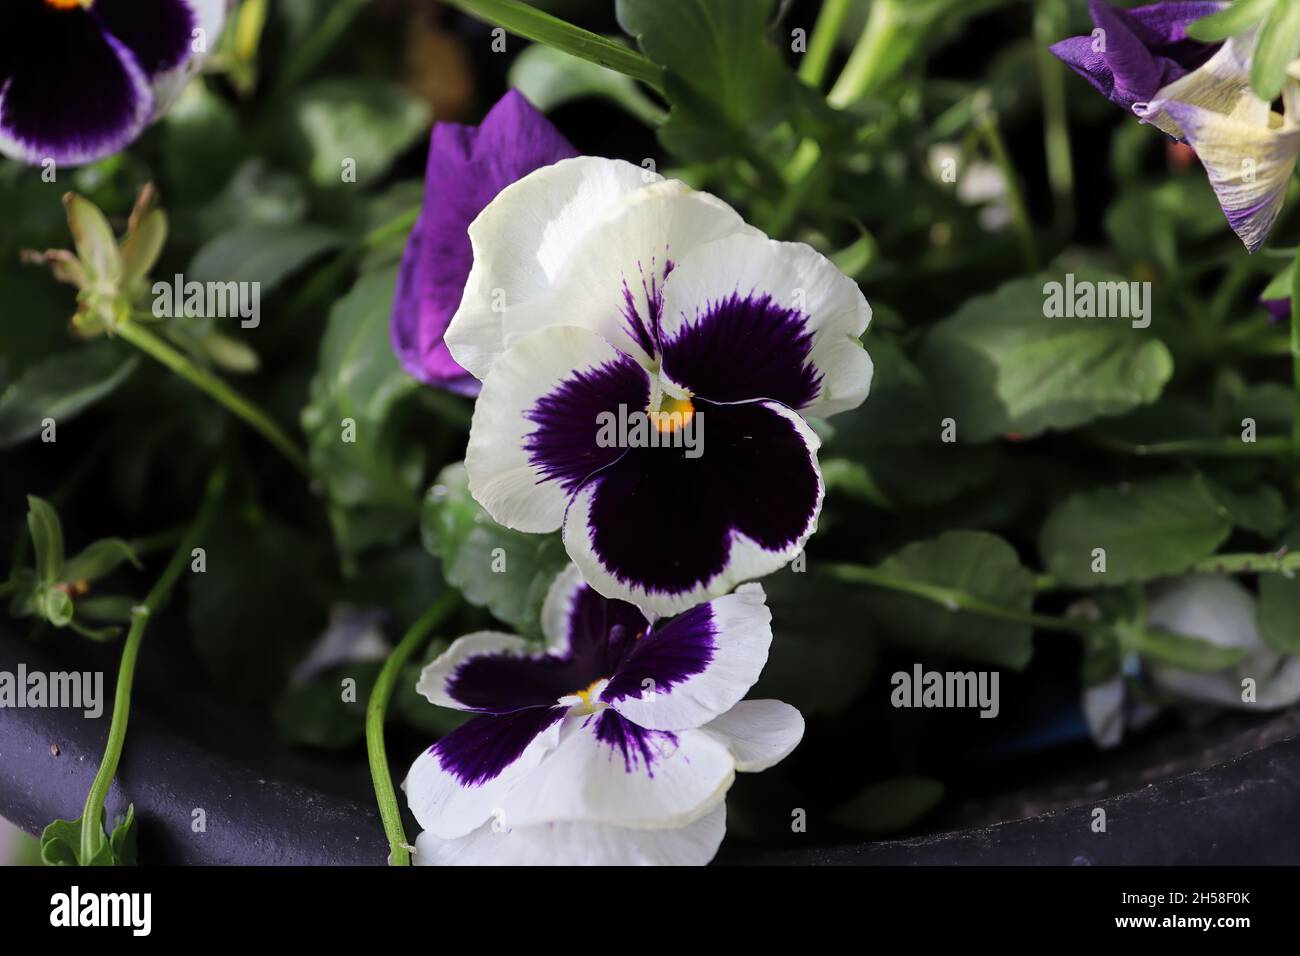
1245, 810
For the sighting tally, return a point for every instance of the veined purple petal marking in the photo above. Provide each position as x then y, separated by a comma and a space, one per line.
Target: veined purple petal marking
664, 522
743, 348
563, 447
647, 330
158, 32
675, 651
69, 90
641, 749
1145, 48
467, 167
479, 750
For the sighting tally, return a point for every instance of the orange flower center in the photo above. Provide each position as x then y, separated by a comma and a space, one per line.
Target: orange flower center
68, 4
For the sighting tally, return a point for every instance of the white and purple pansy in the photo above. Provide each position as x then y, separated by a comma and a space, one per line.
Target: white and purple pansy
615, 743
80, 79
467, 167
600, 292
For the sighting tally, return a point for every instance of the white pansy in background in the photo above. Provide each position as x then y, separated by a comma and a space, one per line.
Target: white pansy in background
599, 287
1219, 610
1249, 151
615, 743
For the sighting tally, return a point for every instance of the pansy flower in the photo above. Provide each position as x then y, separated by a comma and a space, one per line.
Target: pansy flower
615, 743
1133, 53
601, 292
80, 79
1249, 152
467, 167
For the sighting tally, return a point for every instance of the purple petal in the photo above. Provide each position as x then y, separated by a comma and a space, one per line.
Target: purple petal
68, 91
1279, 310
467, 167
564, 447
1165, 24
664, 522
158, 32
745, 348
639, 748
671, 653
479, 750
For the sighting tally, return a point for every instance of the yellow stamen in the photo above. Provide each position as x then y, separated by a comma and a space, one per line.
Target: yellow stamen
588, 706
674, 413
68, 4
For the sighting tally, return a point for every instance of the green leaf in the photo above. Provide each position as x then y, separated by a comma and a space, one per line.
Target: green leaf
822, 656
95, 242
1279, 287
1259, 509
977, 563
61, 843
371, 475
315, 714
265, 254
1148, 528
891, 805
47, 539
723, 76
1277, 45
117, 609
551, 78
98, 559
1278, 614
999, 365
122, 841
56, 606
60, 388
506, 571
533, 24
1184, 651
1236, 18
362, 122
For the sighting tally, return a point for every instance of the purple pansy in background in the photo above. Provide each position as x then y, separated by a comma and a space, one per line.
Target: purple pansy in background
80, 79
467, 167
615, 744
601, 293
1133, 53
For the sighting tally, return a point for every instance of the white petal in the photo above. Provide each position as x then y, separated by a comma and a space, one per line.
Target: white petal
759, 733
1220, 84
441, 804
578, 844
521, 241
1103, 708
586, 779
798, 277
626, 252
501, 477
209, 16
741, 626
435, 675
747, 559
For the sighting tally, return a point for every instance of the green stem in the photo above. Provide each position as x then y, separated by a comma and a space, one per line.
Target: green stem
821, 44
527, 21
1295, 366
329, 30
92, 825
881, 49
385, 794
986, 122
155, 347
1049, 17
1227, 447
957, 600
1282, 562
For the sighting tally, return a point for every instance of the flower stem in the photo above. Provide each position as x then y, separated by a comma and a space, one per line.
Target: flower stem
1225, 447
880, 50
1295, 365
385, 794
154, 346
957, 600
986, 122
92, 826
821, 45
1049, 18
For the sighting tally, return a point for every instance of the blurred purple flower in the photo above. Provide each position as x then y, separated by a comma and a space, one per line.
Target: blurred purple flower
80, 79
1133, 53
467, 167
